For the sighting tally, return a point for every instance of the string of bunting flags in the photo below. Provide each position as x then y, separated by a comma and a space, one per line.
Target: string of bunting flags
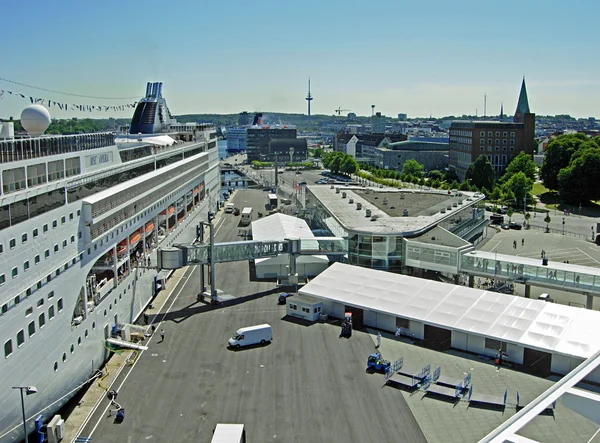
67, 107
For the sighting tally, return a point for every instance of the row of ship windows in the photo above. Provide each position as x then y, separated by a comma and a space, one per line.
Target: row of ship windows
38, 286
20, 341
8, 345
35, 233
37, 259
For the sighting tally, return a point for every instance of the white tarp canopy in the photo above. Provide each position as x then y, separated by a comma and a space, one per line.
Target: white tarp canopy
531, 323
158, 140
278, 227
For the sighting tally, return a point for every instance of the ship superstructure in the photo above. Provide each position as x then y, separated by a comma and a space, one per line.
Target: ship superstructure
79, 214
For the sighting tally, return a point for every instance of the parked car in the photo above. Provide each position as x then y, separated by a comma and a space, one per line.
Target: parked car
514, 225
505, 226
302, 183
283, 297
236, 211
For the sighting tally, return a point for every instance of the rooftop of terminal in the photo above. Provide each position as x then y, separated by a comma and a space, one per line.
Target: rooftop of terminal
390, 210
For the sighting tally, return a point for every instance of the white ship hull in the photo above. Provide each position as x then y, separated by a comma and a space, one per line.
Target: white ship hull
65, 351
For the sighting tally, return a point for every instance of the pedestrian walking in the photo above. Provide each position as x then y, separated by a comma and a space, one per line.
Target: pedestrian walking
162, 335
522, 242
378, 340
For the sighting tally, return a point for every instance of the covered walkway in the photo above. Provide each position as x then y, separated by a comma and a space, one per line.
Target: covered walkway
555, 275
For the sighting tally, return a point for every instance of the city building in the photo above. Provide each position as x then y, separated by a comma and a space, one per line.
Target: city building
363, 146
288, 150
432, 155
258, 138
244, 119
499, 141
402, 117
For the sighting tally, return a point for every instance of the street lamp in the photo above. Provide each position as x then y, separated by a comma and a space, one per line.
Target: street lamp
563, 226
28, 390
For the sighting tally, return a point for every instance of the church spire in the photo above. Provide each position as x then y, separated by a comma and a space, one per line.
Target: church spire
522, 104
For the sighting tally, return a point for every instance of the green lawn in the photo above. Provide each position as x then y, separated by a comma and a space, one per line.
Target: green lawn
539, 189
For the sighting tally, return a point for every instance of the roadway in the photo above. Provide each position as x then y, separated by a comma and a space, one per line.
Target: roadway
308, 385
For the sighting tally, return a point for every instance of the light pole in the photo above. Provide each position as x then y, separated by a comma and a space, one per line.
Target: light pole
563, 226
28, 390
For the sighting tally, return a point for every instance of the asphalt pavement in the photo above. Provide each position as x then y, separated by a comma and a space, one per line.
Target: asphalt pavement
307, 385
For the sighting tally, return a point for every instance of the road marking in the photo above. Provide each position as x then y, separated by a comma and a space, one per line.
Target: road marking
591, 258
498, 244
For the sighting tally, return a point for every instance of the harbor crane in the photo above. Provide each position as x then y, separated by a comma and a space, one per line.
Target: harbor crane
340, 110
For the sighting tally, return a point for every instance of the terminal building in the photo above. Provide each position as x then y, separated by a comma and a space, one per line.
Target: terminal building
398, 230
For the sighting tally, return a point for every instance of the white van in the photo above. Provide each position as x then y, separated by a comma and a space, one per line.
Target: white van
546, 297
229, 433
251, 335
229, 208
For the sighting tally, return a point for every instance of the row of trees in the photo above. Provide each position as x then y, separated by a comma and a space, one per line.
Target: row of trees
338, 162
515, 185
572, 166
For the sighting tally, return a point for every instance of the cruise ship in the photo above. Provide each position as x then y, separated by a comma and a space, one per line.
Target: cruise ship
79, 215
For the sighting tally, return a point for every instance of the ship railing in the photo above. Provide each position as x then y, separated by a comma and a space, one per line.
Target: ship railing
29, 148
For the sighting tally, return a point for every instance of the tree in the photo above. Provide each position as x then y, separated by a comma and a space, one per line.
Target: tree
519, 185
413, 167
558, 155
348, 165
510, 212
481, 173
521, 163
496, 193
435, 175
578, 183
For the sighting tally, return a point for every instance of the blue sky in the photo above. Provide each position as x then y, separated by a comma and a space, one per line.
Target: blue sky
419, 58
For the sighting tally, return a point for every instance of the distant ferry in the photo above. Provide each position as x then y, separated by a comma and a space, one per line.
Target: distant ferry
78, 215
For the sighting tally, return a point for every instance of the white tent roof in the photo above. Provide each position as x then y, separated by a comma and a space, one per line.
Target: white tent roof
532, 323
279, 227
155, 139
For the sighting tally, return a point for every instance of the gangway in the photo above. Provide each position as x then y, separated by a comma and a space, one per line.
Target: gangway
201, 253
541, 272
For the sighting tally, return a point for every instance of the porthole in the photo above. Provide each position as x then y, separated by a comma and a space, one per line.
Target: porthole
86, 333
64, 357
55, 366
72, 349
79, 341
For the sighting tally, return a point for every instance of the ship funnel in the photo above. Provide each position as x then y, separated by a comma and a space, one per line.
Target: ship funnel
148, 89
159, 92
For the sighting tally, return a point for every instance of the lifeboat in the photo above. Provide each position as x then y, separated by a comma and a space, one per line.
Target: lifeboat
163, 215
134, 238
149, 227
121, 249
